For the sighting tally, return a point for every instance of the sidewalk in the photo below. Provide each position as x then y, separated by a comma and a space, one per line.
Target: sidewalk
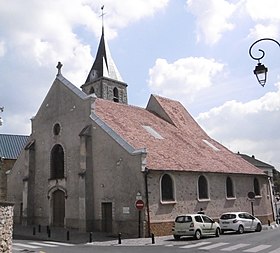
57, 234
74, 236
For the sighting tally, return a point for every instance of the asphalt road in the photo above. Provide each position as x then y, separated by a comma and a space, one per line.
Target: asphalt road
267, 241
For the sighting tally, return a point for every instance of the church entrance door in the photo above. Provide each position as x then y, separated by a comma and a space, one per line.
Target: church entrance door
58, 208
107, 217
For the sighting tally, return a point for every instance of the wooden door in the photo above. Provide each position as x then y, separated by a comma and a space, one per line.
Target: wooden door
107, 217
58, 208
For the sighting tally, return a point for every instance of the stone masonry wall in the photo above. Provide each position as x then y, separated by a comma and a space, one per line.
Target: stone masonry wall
6, 227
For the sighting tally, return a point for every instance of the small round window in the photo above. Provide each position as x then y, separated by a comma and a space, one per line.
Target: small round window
56, 129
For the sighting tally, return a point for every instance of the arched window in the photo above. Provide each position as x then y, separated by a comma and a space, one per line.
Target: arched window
116, 95
257, 187
56, 129
91, 91
57, 162
229, 188
167, 191
202, 188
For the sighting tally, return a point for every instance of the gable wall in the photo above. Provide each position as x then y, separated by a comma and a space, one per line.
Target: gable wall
117, 178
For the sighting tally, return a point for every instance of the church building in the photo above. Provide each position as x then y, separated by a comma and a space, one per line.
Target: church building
95, 163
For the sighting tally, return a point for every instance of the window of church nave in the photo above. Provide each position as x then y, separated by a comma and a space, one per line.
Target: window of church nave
57, 162
229, 188
257, 187
202, 188
167, 189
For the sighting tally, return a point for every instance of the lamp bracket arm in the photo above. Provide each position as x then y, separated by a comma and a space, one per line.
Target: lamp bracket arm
263, 53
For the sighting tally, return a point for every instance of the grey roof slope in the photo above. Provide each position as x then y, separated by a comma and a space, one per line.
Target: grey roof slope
12, 145
255, 162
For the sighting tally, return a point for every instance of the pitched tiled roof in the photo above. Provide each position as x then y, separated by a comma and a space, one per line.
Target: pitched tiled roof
11, 145
256, 162
172, 138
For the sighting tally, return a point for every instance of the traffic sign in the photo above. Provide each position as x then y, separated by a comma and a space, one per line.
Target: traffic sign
251, 195
139, 204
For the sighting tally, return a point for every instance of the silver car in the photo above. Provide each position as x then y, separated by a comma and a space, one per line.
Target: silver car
196, 225
239, 222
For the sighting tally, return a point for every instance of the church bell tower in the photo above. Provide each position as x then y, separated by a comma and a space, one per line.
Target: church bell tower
104, 79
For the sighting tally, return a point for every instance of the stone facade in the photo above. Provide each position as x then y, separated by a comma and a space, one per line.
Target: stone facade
5, 166
6, 227
163, 214
101, 176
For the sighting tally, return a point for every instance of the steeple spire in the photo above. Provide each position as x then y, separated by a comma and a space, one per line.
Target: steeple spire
104, 69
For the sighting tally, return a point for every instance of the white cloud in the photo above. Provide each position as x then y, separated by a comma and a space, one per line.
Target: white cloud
2, 48
212, 18
38, 34
247, 127
265, 17
184, 77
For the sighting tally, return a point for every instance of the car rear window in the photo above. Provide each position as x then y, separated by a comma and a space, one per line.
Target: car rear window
183, 219
228, 216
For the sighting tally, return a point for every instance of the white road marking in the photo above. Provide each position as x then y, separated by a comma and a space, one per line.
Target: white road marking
26, 246
59, 243
43, 244
194, 245
213, 246
235, 247
257, 248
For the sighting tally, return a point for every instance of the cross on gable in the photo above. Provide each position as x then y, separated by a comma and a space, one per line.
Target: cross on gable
59, 66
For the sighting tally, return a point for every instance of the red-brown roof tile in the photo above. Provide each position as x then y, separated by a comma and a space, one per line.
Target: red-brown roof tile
184, 146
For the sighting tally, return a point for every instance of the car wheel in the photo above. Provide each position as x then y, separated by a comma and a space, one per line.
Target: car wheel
177, 237
259, 228
197, 234
217, 232
240, 229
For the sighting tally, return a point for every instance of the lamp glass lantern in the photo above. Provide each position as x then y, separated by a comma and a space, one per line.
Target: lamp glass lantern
261, 73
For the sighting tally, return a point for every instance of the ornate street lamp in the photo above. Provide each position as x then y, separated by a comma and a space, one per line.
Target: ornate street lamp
260, 70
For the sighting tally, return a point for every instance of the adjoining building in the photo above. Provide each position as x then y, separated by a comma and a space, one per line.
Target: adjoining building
91, 156
10, 148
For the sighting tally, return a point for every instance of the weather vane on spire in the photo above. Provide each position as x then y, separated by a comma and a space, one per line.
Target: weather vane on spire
102, 15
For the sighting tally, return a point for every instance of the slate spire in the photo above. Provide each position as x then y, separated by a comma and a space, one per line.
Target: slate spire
103, 65
104, 79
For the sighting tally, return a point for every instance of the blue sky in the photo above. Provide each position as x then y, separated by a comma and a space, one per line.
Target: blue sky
194, 51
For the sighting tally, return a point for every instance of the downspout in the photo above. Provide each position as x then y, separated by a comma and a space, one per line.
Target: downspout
146, 172
274, 208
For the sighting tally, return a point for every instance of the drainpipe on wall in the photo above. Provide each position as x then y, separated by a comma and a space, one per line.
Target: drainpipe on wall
272, 199
146, 172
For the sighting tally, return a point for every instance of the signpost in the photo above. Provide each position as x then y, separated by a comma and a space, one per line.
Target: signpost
139, 204
251, 196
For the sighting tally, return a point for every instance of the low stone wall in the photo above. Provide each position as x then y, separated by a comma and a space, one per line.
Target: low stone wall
6, 227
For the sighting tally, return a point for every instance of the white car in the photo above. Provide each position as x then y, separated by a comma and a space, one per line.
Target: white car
196, 225
239, 222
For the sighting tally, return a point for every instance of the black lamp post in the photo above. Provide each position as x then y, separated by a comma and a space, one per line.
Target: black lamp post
260, 70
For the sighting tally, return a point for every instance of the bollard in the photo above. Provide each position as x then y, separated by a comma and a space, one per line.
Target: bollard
153, 238
48, 228
68, 235
120, 238
49, 232
39, 228
90, 237
268, 222
34, 231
